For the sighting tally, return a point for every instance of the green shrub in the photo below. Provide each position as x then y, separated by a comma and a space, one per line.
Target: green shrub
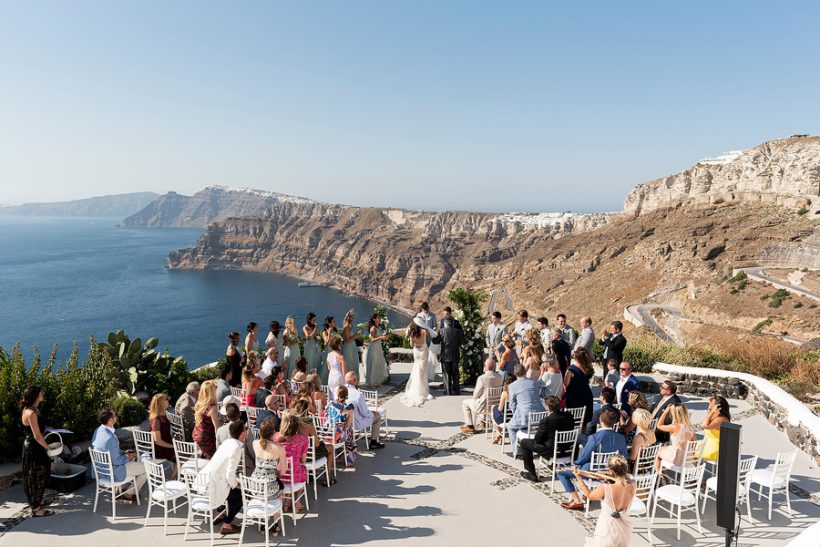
798, 304
598, 351
742, 284
802, 211
762, 325
200, 375
740, 276
130, 411
733, 291
764, 297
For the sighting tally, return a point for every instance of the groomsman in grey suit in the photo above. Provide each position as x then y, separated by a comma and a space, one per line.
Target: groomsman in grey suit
567, 332
587, 336
495, 332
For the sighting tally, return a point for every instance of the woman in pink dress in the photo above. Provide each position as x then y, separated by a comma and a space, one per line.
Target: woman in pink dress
296, 445
613, 528
681, 432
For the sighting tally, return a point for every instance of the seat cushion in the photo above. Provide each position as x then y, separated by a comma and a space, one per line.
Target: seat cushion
193, 466
638, 507
317, 464
765, 477
671, 493
169, 491
293, 487
256, 508
380, 409
202, 504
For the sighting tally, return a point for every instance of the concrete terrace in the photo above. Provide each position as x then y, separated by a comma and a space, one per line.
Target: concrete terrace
433, 483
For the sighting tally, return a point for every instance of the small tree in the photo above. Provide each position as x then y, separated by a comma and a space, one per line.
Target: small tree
469, 312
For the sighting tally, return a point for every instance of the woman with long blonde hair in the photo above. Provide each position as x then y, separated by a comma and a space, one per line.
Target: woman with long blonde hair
160, 428
291, 341
681, 432
613, 528
207, 419
349, 349
532, 354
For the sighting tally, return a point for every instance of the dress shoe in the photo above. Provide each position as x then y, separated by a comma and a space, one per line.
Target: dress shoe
529, 476
226, 529
572, 506
128, 497
467, 429
376, 445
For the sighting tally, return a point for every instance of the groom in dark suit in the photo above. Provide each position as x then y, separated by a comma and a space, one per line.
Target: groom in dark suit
451, 341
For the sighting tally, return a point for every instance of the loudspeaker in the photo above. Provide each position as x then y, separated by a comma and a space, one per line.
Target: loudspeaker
728, 468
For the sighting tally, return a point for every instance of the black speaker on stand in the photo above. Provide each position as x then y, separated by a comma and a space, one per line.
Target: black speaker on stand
728, 469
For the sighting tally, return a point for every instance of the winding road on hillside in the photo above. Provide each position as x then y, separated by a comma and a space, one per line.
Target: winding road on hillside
643, 312
756, 273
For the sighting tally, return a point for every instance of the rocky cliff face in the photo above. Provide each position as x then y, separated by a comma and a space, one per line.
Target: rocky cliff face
117, 205
784, 172
214, 203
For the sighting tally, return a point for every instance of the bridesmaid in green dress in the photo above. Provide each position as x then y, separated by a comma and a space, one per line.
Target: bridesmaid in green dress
311, 332
375, 369
329, 332
349, 350
291, 340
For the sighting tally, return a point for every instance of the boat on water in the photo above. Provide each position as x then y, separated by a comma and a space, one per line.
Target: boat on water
304, 284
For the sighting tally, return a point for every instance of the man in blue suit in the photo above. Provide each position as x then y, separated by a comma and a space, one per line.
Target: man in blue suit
604, 440
525, 397
626, 385
105, 439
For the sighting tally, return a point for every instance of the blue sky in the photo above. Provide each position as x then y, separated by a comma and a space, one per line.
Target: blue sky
426, 104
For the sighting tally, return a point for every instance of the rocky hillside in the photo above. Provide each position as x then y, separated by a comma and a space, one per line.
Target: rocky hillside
214, 203
118, 205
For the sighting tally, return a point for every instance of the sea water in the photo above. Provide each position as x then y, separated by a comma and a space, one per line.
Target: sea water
62, 279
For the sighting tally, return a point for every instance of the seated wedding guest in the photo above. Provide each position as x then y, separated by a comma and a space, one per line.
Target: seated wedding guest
124, 464
525, 397
561, 350
221, 473
614, 528
636, 400
717, 414
271, 410
184, 408
680, 432
642, 419
341, 413
508, 359
269, 457
476, 405
276, 383
551, 377
495, 331
612, 375
160, 428
300, 372
543, 443
317, 394
223, 383
607, 397
296, 446
532, 354
271, 360
250, 381
669, 397
498, 410
576, 383
627, 383
604, 440
232, 414
305, 393
363, 417
207, 420
301, 409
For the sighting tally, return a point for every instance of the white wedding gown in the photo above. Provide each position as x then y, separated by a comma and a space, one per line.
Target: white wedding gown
416, 392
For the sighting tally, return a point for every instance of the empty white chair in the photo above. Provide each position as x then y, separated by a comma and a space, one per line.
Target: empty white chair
747, 465
597, 463
144, 445
533, 420
201, 503
294, 491
189, 460
162, 492
564, 441
104, 475
682, 496
177, 428
644, 490
316, 466
259, 508
578, 414
371, 397
493, 398
775, 479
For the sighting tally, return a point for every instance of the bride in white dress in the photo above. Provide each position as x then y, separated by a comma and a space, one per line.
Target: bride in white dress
416, 392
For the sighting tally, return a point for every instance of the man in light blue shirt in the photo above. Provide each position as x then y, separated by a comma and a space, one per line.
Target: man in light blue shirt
525, 396
124, 464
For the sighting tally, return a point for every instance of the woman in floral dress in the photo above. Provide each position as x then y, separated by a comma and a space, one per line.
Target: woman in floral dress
341, 413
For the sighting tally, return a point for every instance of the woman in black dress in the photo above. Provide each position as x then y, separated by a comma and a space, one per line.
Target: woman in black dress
576, 381
234, 357
36, 463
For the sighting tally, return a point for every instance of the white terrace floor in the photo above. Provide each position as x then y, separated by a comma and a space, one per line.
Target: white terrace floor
457, 490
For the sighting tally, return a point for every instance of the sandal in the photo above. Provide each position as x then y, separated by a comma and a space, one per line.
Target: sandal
45, 513
325, 484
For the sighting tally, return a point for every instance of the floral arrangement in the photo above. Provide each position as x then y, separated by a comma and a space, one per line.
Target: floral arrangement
468, 305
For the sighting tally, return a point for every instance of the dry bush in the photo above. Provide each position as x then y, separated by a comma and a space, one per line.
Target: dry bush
761, 355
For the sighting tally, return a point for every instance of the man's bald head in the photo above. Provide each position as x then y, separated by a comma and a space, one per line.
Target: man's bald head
351, 379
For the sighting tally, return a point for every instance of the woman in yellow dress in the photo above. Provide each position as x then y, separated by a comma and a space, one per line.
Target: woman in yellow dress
717, 414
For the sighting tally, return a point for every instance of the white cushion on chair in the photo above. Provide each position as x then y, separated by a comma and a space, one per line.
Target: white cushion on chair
256, 508
317, 464
201, 503
671, 492
293, 487
638, 507
380, 409
764, 477
191, 467
171, 490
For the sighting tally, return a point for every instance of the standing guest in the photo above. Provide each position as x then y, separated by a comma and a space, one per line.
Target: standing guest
626, 385
669, 397
271, 360
270, 411
184, 408
551, 377
223, 384
452, 338
311, 333
509, 358
495, 332
296, 446
476, 406
522, 325
499, 409
275, 338
576, 383
544, 331
234, 357
232, 414
427, 316
614, 342
717, 414
221, 472
641, 420
607, 397
160, 428
680, 432
567, 332
251, 341
561, 350
586, 339
250, 380
525, 397
448, 313
375, 365
349, 348
614, 528
543, 443
36, 462
270, 458
532, 354
300, 372
363, 417
124, 464
207, 420
613, 375
604, 440
337, 366
328, 332
341, 413
291, 341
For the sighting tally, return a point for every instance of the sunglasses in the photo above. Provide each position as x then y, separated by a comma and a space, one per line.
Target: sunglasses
626, 369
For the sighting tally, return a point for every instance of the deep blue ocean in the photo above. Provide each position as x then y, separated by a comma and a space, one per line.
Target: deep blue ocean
63, 278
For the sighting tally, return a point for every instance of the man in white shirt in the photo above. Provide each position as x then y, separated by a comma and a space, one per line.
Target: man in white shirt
544, 328
269, 363
363, 417
221, 471
522, 325
627, 384
475, 407
587, 337
567, 333
495, 332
